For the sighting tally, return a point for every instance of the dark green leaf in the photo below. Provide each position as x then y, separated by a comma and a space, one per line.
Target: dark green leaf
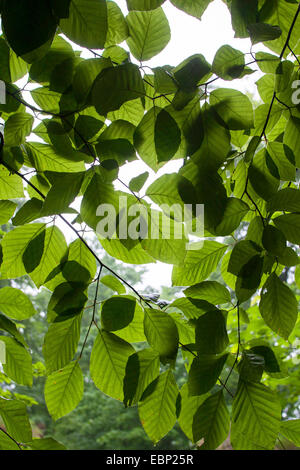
117, 313
211, 422
262, 32
204, 373
278, 306
211, 333
115, 86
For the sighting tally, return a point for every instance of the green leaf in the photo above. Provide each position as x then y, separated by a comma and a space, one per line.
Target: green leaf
262, 32
241, 254
251, 367
280, 13
291, 430
165, 190
17, 127
7, 210
131, 111
204, 373
86, 128
65, 187
192, 308
15, 418
256, 417
61, 8
14, 245
211, 291
115, 86
287, 200
233, 107
198, 263
288, 257
149, 33
191, 71
143, 4
60, 343
18, 364
289, 224
136, 183
4, 61
134, 332
249, 278
273, 240
82, 256
235, 211
229, 63
41, 184
45, 158
30, 211
34, 251
117, 313
260, 118
6, 443
263, 175
211, 422
292, 137
87, 23
267, 62
215, 142
108, 363
284, 159
192, 7
188, 407
46, 443
161, 333
278, 306
117, 29
10, 185
28, 26
64, 390
158, 410
85, 74
52, 247
211, 333
10, 327
15, 304
142, 369
135, 255
41, 70
67, 301
243, 14
166, 240
283, 76
157, 138
271, 365
167, 136
113, 283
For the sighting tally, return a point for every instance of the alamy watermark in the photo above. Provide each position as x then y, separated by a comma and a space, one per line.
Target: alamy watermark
2, 92
2, 353
296, 94
139, 222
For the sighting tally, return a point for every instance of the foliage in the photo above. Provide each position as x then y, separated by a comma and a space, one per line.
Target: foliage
96, 115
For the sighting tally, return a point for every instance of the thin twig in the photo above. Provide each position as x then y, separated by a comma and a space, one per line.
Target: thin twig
195, 355
238, 349
94, 312
10, 437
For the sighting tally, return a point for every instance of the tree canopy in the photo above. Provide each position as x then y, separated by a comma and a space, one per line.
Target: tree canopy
76, 108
